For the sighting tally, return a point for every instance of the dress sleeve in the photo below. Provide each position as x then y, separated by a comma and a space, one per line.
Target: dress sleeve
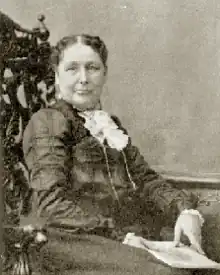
47, 154
154, 186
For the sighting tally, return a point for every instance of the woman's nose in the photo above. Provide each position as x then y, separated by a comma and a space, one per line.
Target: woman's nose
83, 77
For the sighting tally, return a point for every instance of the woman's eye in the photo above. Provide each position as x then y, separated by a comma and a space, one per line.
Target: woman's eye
93, 68
73, 69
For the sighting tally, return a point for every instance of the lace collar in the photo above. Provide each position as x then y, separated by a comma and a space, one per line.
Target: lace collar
103, 128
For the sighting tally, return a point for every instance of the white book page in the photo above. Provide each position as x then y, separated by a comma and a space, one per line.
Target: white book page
179, 257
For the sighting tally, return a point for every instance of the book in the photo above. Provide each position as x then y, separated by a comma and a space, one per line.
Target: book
179, 257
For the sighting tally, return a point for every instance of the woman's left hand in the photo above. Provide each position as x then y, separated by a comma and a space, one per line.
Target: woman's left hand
189, 225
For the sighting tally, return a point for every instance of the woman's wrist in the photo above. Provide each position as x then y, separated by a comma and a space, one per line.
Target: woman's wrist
195, 213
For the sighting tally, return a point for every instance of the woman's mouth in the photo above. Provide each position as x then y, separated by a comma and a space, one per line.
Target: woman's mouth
83, 92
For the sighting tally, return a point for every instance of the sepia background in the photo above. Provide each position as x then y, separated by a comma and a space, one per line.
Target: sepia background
164, 68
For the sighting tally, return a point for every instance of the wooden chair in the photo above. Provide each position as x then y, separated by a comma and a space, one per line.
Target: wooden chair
24, 63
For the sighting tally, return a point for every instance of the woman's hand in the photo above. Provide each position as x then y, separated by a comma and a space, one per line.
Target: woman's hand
189, 223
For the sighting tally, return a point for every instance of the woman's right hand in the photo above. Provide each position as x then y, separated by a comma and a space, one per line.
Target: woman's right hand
191, 226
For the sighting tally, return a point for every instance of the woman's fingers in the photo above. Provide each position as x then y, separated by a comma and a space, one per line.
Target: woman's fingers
177, 234
195, 242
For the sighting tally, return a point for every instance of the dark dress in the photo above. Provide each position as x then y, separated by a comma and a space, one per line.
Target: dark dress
92, 195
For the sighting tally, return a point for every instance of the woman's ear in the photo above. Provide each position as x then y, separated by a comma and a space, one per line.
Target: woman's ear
56, 78
105, 74
57, 86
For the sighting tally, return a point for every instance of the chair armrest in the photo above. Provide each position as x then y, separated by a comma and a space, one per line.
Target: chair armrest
17, 245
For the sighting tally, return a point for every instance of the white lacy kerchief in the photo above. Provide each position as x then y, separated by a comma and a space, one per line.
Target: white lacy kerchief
102, 127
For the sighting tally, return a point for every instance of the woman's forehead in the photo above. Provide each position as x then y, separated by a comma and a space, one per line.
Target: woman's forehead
79, 52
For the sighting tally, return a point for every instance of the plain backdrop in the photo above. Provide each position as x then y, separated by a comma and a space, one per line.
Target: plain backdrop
164, 69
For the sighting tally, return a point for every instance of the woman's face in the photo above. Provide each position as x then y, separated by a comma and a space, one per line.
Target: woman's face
80, 76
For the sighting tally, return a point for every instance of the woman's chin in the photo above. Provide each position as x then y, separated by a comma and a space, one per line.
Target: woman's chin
83, 106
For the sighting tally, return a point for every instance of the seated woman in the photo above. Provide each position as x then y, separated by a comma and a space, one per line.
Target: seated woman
88, 180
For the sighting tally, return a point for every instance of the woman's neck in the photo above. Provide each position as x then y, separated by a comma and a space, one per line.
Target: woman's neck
97, 107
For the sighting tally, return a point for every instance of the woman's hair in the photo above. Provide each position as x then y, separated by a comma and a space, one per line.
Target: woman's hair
93, 41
